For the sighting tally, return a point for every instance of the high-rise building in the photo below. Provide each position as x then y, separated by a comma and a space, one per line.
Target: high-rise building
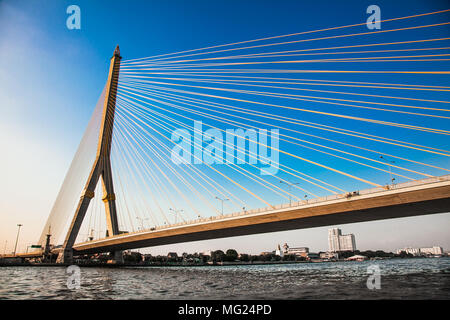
340, 242
347, 242
333, 239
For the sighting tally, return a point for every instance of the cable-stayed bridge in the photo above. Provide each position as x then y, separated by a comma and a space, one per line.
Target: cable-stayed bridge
294, 131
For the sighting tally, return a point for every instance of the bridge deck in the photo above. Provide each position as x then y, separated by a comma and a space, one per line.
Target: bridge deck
418, 197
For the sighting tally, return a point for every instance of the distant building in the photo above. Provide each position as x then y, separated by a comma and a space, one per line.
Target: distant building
356, 258
432, 251
339, 242
312, 256
279, 252
329, 255
413, 251
435, 250
300, 251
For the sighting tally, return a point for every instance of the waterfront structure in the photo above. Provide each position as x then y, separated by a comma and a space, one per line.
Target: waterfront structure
279, 252
356, 257
300, 251
413, 251
311, 256
329, 255
339, 242
435, 250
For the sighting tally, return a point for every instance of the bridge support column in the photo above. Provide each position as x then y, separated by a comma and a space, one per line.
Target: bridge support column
117, 257
101, 168
65, 256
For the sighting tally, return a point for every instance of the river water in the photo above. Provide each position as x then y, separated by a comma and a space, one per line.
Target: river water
399, 279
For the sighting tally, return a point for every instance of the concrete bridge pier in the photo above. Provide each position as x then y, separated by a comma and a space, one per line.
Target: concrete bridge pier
117, 257
65, 256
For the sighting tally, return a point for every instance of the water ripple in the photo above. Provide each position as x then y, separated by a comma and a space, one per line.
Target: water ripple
400, 279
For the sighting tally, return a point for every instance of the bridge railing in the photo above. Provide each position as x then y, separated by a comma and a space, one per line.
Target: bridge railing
328, 198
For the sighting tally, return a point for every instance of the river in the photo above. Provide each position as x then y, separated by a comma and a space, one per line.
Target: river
399, 279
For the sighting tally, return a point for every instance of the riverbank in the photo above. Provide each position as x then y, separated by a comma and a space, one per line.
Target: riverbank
174, 264
180, 264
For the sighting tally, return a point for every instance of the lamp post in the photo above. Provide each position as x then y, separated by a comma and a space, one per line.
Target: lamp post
176, 213
389, 163
142, 221
17, 238
222, 200
289, 184
91, 235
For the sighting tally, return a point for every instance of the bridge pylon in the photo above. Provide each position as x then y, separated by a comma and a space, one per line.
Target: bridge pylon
100, 169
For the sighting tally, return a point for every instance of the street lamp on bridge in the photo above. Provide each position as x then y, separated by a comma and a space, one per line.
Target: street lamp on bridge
142, 221
222, 200
389, 163
17, 238
290, 184
176, 212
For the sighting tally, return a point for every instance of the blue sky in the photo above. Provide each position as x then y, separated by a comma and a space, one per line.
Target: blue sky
51, 77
